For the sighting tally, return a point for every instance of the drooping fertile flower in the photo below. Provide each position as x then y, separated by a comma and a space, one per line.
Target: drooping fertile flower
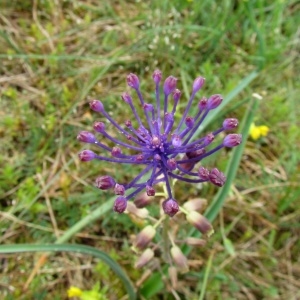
167, 151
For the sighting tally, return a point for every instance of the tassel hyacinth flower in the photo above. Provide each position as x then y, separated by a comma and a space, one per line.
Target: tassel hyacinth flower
166, 150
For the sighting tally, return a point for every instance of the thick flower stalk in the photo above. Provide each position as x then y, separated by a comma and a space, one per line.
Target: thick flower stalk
166, 149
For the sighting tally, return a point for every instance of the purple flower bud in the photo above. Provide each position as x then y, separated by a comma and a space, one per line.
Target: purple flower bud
176, 141
209, 139
105, 182
172, 164
170, 207
156, 76
200, 222
120, 204
86, 137
119, 189
87, 155
142, 200
150, 190
139, 157
133, 81
116, 152
126, 97
214, 101
96, 105
169, 117
176, 95
170, 85
198, 83
202, 103
203, 173
128, 123
148, 107
189, 122
230, 123
99, 127
217, 177
232, 140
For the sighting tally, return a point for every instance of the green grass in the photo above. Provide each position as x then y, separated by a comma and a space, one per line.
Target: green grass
55, 56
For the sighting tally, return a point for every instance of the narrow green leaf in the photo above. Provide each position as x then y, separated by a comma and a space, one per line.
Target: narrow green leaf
152, 286
229, 246
206, 275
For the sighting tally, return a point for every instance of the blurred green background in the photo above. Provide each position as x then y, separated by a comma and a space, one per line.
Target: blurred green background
56, 55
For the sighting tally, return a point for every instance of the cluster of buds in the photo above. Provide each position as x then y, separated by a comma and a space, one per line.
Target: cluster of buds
167, 151
144, 245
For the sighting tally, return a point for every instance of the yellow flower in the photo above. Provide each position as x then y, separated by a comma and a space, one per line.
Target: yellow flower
258, 131
74, 291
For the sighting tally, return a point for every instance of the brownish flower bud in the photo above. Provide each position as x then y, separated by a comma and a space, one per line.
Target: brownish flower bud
200, 222
146, 256
142, 213
144, 237
187, 166
195, 241
142, 200
195, 204
179, 258
173, 276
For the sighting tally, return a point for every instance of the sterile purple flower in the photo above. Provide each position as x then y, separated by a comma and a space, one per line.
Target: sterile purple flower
166, 149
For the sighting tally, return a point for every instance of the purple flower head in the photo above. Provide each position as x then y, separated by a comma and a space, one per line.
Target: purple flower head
176, 95
86, 137
96, 105
87, 155
170, 207
214, 101
150, 190
126, 97
165, 148
120, 204
230, 123
198, 83
157, 76
99, 127
170, 85
217, 177
119, 189
232, 140
105, 182
133, 81
202, 103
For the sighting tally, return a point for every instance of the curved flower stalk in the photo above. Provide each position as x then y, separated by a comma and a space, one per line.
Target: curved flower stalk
165, 149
